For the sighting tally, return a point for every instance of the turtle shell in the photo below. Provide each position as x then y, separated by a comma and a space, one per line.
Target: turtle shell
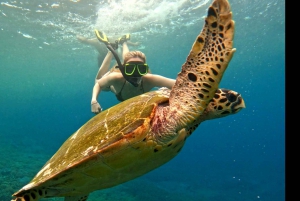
93, 151
106, 150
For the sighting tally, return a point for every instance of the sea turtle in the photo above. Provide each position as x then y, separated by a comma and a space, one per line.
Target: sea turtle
144, 132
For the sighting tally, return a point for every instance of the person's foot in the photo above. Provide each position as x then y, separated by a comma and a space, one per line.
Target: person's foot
81, 38
114, 45
123, 39
101, 37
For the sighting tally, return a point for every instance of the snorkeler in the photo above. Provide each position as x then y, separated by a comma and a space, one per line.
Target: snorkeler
127, 79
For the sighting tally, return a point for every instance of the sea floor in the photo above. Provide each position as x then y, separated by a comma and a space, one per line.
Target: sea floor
21, 162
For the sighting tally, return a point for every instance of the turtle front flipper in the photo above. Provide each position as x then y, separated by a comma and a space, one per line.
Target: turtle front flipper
203, 70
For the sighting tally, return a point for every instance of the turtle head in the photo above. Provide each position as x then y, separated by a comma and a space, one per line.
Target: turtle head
225, 102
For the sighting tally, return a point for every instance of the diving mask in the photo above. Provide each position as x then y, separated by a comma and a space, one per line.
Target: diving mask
136, 69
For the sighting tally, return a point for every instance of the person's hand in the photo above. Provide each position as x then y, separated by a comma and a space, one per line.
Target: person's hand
96, 108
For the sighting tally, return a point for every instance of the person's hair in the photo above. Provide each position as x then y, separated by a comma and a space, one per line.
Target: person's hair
134, 54
129, 55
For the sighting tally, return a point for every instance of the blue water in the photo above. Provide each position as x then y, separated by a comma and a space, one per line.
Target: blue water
46, 80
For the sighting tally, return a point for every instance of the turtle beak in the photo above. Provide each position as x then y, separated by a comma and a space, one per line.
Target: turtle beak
240, 104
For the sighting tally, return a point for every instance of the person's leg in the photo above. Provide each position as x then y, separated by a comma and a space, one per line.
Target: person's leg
100, 59
125, 50
104, 66
92, 42
123, 41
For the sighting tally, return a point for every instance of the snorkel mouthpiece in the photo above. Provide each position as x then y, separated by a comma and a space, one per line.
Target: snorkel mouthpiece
134, 84
135, 81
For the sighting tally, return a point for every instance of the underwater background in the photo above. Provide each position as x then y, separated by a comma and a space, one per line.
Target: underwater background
47, 76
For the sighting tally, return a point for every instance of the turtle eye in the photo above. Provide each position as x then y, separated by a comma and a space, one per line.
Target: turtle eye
232, 97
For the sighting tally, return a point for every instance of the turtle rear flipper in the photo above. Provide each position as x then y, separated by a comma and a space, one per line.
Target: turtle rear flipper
37, 194
34, 194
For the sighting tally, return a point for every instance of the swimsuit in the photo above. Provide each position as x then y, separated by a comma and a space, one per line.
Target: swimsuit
119, 95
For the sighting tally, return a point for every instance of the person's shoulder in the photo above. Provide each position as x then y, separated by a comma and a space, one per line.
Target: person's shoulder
158, 80
150, 76
114, 76
151, 79
109, 76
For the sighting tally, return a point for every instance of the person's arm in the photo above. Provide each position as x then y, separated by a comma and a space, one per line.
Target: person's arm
104, 66
100, 85
95, 106
160, 81
96, 91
